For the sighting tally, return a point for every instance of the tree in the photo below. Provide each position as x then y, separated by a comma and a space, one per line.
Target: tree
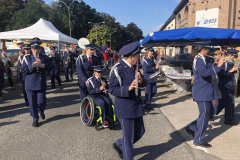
32, 12
7, 10
132, 27
99, 35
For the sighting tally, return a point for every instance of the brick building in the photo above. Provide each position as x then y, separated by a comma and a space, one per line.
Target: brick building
205, 13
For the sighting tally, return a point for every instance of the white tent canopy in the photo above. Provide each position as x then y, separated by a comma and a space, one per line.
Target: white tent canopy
42, 29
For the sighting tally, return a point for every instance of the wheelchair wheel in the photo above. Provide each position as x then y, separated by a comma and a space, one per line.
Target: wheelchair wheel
87, 110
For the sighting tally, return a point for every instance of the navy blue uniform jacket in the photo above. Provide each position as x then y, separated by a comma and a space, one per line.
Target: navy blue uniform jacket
65, 58
149, 68
203, 89
33, 80
55, 61
126, 104
94, 85
85, 69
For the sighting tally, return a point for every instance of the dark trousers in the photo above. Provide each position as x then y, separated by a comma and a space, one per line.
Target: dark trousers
132, 130
83, 92
150, 91
105, 104
68, 70
55, 74
199, 126
37, 103
9, 75
23, 90
226, 102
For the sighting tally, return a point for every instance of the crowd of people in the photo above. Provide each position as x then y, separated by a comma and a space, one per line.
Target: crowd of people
214, 84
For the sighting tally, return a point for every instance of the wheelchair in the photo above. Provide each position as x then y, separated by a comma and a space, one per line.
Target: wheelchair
91, 114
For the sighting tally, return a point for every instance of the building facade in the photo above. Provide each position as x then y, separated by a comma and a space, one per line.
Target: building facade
205, 13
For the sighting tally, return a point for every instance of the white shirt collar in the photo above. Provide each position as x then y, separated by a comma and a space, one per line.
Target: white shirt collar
88, 56
127, 63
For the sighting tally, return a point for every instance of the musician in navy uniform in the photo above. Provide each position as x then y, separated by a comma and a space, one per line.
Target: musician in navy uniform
35, 83
96, 86
127, 104
68, 58
27, 51
55, 60
149, 68
226, 87
84, 68
203, 93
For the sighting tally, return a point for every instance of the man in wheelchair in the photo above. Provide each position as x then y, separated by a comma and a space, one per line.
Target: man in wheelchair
97, 87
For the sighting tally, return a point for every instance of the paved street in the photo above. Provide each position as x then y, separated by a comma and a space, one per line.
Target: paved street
63, 136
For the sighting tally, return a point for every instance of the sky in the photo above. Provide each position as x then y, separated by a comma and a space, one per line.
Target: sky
149, 15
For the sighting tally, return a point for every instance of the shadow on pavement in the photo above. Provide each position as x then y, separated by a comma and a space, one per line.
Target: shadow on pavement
155, 151
58, 117
7, 123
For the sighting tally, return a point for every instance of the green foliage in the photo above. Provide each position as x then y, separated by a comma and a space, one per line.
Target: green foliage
80, 14
32, 12
99, 35
6, 12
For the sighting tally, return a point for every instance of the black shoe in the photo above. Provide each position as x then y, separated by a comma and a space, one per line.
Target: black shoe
232, 123
205, 145
72, 79
27, 106
53, 87
59, 84
190, 132
117, 149
67, 81
42, 116
35, 124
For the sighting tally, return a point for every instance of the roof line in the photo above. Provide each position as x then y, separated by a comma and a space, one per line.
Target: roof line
176, 10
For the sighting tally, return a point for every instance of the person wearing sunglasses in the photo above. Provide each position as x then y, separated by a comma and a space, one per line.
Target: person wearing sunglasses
84, 68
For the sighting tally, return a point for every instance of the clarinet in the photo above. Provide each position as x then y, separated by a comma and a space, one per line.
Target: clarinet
136, 77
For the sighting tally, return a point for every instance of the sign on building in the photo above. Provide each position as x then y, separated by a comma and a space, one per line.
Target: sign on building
207, 18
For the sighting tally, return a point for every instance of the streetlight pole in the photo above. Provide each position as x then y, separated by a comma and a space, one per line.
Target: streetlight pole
96, 24
68, 13
111, 39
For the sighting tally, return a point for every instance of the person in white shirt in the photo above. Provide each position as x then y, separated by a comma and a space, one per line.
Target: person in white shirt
6, 60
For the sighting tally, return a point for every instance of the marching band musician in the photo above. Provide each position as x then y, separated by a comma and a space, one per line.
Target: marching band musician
55, 60
226, 87
149, 67
96, 86
203, 93
27, 51
127, 106
34, 67
68, 58
84, 68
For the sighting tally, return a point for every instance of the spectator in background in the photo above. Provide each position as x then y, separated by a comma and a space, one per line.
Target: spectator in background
20, 45
236, 75
115, 57
1, 76
106, 59
162, 55
111, 58
7, 67
224, 48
